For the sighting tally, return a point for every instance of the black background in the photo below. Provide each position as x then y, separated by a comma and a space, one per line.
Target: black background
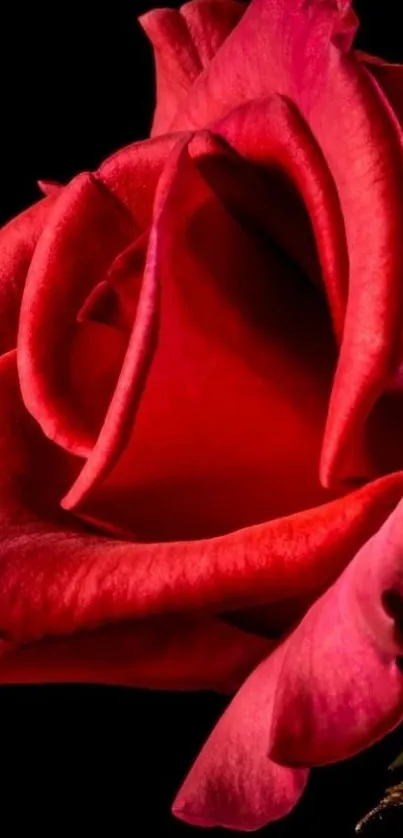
77, 83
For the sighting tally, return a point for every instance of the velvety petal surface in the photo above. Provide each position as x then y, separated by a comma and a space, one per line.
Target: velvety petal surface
179, 653
17, 243
226, 366
83, 233
234, 783
332, 688
184, 41
78, 265
341, 683
57, 577
301, 50
389, 77
312, 234
45, 559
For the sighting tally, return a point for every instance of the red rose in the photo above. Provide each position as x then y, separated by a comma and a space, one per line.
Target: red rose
202, 398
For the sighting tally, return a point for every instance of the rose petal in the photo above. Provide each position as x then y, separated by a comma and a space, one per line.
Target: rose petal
83, 234
233, 782
57, 577
49, 187
17, 243
331, 689
301, 50
279, 46
281, 139
341, 683
184, 41
132, 175
181, 653
234, 353
164, 653
114, 301
390, 79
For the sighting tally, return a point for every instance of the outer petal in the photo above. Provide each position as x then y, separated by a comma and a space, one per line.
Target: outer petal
332, 688
341, 682
390, 79
172, 652
79, 250
180, 653
17, 243
233, 782
85, 231
300, 50
57, 577
185, 40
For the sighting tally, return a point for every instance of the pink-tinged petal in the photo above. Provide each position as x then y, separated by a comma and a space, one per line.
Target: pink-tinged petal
331, 689
233, 782
17, 243
57, 577
341, 683
301, 50
279, 46
185, 40
84, 232
181, 653
49, 187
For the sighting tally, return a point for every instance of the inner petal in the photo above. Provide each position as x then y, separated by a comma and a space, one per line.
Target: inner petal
230, 422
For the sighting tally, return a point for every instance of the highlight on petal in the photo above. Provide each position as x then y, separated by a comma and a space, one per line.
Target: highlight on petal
17, 243
341, 683
233, 782
185, 40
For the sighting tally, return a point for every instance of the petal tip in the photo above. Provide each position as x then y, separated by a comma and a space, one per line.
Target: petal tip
183, 814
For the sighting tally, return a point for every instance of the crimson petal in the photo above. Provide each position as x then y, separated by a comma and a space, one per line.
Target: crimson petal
301, 49
17, 243
184, 41
57, 577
